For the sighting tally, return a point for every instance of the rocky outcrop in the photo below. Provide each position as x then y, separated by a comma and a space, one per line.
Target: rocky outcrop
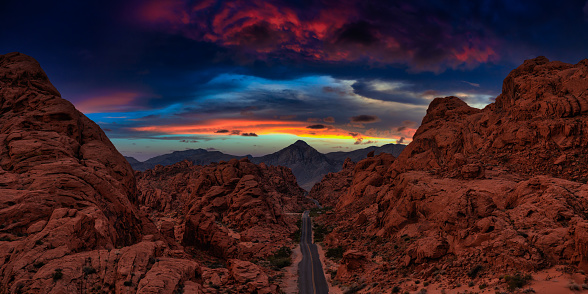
69, 208
477, 192
340, 189
360, 154
536, 126
64, 188
333, 185
233, 209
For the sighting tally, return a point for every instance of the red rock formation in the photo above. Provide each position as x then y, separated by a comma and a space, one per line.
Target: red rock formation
63, 186
536, 126
69, 217
333, 185
475, 188
232, 209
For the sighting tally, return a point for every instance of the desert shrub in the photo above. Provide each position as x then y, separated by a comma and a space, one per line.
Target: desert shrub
335, 253
58, 274
215, 265
474, 271
281, 258
574, 287
319, 232
88, 270
355, 288
296, 235
516, 281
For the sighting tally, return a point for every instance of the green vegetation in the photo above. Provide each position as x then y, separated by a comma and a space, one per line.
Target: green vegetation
516, 281
281, 258
335, 253
296, 235
320, 232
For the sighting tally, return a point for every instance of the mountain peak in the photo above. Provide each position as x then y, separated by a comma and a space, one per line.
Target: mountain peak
301, 143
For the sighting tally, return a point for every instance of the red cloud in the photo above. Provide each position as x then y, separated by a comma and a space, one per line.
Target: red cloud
346, 30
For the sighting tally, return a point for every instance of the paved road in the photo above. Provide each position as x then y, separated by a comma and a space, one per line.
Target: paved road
311, 278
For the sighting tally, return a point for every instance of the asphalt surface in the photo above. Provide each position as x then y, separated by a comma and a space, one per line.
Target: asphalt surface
311, 279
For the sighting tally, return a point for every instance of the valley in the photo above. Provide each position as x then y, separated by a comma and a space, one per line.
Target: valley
482, 200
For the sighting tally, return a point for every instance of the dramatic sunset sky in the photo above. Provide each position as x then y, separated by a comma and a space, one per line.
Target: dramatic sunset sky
251, 77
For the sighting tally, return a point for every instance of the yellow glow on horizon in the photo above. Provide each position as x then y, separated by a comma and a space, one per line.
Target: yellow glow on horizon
236, 127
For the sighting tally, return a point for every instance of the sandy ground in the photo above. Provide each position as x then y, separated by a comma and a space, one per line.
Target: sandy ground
290, 281
551, 281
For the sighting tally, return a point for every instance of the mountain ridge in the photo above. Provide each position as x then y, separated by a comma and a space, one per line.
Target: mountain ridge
308, 164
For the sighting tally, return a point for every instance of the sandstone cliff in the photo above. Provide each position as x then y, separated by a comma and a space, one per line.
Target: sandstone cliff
477, 193
70, 220
233, 209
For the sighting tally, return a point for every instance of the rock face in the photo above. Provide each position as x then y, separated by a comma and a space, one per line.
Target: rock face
232, 209
64, 188
498, 190
536, 126
69, 208
357, 155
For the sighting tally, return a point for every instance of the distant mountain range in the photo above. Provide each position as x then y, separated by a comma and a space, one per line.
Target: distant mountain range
308, 165
197, 156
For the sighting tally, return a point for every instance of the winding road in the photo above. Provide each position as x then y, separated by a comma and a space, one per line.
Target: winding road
311, 276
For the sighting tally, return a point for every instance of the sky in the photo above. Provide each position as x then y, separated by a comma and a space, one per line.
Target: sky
251, 77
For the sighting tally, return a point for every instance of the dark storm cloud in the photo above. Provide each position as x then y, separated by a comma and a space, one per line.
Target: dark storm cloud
222, 131
360, 32
316, 127
249, 134
424, 35
364, 118
172, 52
